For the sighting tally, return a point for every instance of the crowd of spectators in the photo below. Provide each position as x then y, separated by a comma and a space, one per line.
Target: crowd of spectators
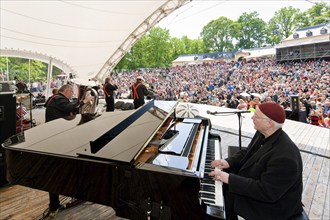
240, 85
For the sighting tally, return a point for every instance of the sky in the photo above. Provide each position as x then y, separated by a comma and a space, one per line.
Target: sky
190, 19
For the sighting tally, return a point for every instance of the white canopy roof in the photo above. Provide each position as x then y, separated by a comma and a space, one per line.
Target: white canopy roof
90, 36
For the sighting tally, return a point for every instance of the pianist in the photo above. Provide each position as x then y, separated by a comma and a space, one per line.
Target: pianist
263, 181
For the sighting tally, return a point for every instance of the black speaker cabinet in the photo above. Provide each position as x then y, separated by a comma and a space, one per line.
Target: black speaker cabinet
295, 103
296, 115
7, 126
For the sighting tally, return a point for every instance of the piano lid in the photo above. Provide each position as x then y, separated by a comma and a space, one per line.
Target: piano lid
65, 138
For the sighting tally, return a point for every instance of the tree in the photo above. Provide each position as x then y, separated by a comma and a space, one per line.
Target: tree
218, 35
198, 46
274, 35
19, 68
38, 71
159, 44
3, 67
286, 20
318, 14
252, 31
158, 49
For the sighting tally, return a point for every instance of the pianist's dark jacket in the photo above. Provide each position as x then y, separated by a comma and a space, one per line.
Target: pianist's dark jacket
268, 183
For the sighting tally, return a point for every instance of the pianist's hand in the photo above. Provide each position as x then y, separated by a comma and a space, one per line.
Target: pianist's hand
222, 164
220, 176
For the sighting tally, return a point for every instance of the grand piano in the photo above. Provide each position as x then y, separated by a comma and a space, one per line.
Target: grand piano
145, 163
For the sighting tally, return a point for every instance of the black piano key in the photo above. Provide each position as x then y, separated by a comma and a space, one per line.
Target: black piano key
208, 170
207, 195
209, 181
208, 188
207, 177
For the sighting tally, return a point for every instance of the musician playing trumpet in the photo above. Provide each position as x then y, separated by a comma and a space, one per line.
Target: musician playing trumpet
263, 181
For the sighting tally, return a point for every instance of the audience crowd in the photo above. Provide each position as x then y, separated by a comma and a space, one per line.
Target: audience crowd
240, 85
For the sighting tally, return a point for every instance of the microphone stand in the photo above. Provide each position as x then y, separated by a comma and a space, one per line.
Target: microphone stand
239, 115
31, 107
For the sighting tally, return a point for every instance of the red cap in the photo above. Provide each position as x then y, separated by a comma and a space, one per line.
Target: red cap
273, 111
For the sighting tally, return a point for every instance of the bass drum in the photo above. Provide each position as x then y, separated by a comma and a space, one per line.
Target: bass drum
22, 125
20, 112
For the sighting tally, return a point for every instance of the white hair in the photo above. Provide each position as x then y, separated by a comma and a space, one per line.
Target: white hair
277, 125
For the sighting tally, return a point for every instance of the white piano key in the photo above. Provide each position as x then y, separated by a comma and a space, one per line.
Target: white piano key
216, 204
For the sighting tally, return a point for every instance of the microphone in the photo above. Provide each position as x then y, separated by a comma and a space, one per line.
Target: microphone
211, 113
215, 112
242, 111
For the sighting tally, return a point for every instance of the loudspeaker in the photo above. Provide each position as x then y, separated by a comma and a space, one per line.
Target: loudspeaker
127, 106
7, 127
7, 116
295, 103
296, 115
119, 104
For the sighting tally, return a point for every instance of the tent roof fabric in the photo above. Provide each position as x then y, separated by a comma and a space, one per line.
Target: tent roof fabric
83, 34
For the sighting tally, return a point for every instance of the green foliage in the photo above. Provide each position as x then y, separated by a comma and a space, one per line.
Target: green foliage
286, 20
158, 49
19, 68
318, 14
252, 31
273, 34
218, 35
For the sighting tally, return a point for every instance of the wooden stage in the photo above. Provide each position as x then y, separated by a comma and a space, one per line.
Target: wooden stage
18, 202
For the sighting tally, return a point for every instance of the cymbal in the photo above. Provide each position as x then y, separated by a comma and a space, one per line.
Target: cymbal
21, 97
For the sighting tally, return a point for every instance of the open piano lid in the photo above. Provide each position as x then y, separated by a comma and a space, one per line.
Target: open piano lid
113, 136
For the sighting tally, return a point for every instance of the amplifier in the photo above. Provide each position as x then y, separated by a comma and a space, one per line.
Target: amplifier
6, 86
7, 126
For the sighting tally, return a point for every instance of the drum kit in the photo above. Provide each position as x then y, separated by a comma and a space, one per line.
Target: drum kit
23, 104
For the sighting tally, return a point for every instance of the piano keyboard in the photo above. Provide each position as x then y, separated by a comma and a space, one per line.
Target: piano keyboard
210, 194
